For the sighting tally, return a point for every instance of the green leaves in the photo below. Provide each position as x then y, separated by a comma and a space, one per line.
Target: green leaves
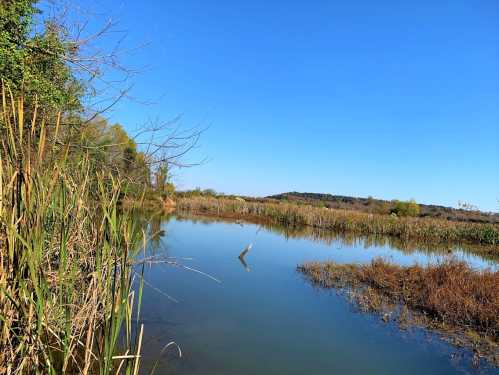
409, 208
34, 63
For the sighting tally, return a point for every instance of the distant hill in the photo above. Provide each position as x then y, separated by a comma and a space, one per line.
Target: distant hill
373, 205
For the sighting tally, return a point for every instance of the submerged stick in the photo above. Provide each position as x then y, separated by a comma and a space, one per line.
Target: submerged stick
245, 265
245, 251
243, 254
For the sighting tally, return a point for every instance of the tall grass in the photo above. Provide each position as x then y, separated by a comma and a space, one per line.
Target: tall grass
65, 255
424, 229
450, 291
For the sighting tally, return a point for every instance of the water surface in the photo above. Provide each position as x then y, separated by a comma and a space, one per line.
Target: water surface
265, 318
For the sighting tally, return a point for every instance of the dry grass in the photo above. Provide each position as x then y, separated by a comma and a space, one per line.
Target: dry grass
423, 229
450, 295
450, 291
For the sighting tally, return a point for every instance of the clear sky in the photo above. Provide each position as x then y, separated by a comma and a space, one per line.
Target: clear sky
393, 99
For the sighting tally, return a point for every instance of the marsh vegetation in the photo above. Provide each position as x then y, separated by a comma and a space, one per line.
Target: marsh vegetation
213, 320
67, 246
465, 212
449, 296
82, 212
66, 252
289, 214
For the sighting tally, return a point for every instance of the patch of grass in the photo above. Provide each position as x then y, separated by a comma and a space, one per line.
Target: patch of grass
449, 296
423, 229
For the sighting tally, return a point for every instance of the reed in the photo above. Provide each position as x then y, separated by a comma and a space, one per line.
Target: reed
288, 214
449, 296
352, 239
65, 255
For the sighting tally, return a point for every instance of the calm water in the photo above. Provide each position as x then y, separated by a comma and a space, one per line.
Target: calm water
265, 318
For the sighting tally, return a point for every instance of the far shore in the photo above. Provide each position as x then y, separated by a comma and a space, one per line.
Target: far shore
428, 230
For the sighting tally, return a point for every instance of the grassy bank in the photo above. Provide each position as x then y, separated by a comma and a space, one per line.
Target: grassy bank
449, 296
65, 260
423, 229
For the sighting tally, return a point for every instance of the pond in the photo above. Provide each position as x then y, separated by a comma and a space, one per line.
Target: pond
263, 317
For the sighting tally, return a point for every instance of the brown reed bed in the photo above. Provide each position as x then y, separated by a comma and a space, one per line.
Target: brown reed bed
288, 214
449, 297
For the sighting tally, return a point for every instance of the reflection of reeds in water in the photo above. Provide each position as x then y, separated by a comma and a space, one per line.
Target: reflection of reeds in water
423, 229
65, 275
450, 296
350, 239
406, 246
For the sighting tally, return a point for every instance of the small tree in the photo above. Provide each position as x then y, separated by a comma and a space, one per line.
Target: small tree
409, 208
466, 206
381, 207
209, 192
163, 187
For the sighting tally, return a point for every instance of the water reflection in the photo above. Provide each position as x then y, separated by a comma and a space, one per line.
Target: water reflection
487, 256
270, 320
245, 265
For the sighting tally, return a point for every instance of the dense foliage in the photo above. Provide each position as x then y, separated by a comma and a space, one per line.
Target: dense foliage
410, 208
40, 63
66, 244
111, 149
34, 62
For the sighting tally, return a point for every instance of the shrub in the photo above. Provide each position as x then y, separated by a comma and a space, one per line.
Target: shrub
409, 208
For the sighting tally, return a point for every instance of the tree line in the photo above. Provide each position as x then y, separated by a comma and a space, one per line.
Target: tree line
47, 64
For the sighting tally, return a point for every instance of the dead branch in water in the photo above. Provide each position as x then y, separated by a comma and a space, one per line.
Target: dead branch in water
245, 251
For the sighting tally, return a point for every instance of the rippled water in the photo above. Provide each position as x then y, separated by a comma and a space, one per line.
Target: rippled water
263, 317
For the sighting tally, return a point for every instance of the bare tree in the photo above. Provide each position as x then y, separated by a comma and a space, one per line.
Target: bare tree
108, 81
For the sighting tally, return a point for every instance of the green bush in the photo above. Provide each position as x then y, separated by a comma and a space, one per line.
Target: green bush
409, 208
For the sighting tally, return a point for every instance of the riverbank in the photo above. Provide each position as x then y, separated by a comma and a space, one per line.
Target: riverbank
152, 201
449, 297
407, 228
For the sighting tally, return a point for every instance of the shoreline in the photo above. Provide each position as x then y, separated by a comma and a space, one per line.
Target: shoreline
451, 299
436, 231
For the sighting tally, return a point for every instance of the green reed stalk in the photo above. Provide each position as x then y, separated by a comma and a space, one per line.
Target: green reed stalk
65, 255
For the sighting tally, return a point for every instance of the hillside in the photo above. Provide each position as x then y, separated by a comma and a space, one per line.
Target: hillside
383, 206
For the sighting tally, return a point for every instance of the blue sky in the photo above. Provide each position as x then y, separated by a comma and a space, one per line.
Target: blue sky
384, 98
